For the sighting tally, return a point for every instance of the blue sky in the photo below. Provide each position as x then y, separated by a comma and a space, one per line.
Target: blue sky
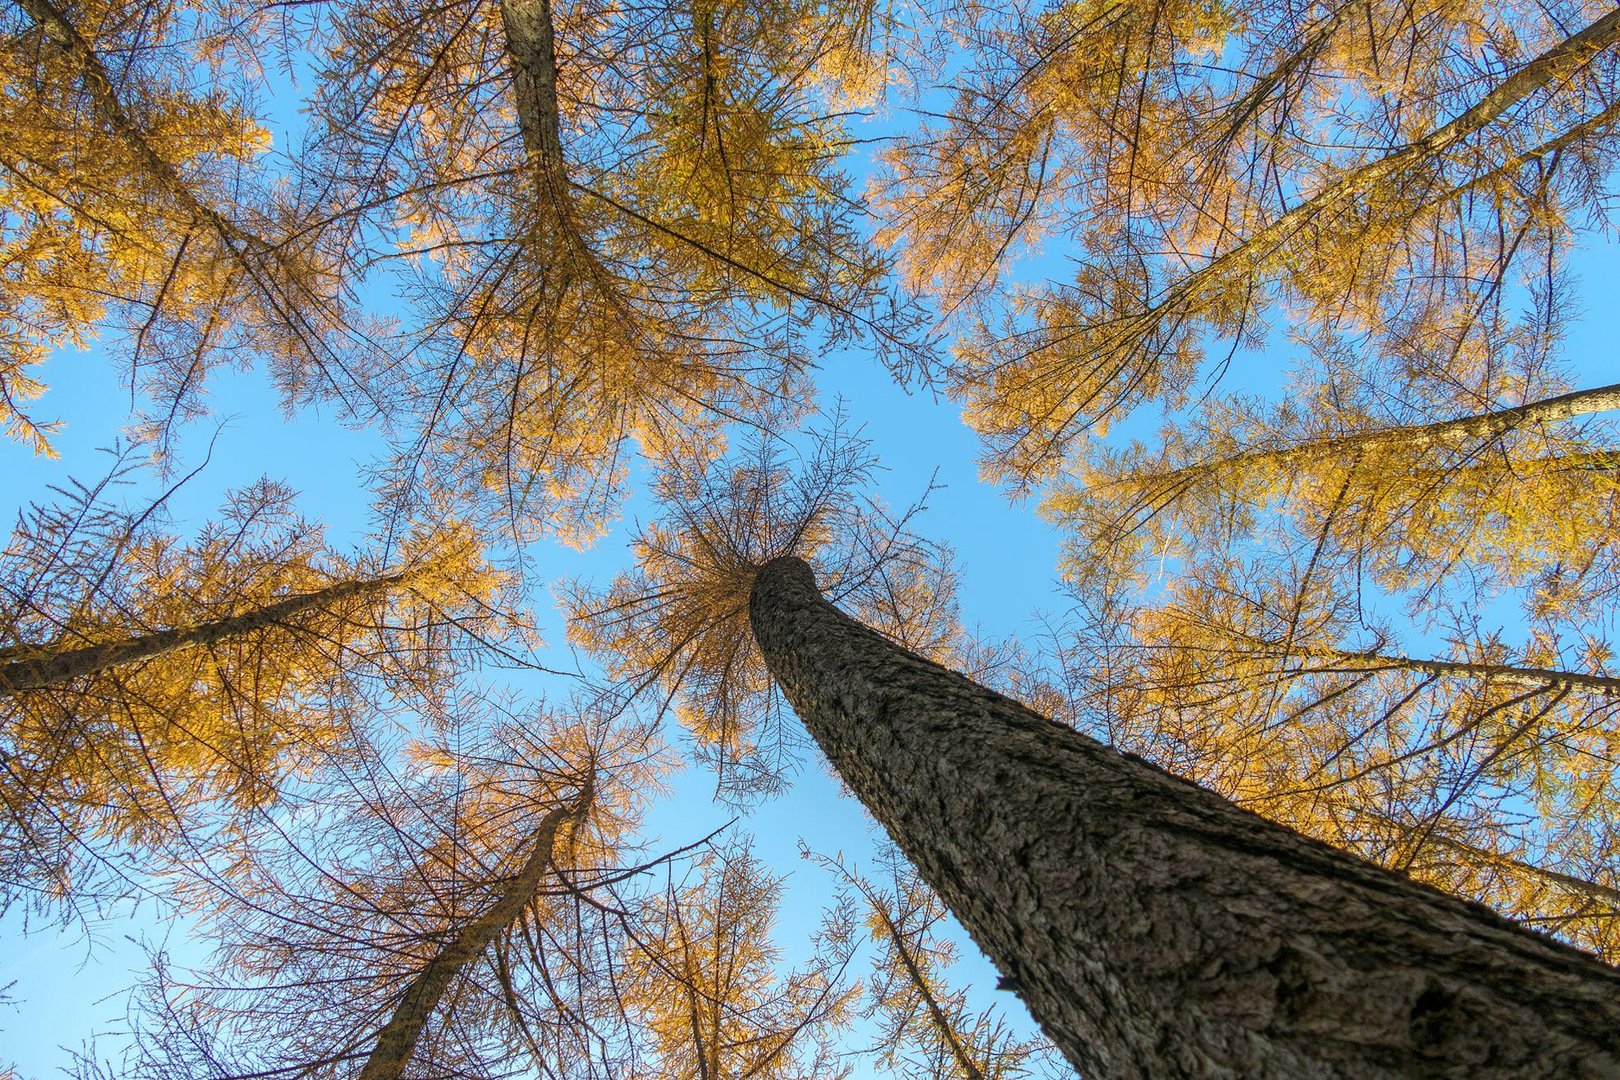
67, 987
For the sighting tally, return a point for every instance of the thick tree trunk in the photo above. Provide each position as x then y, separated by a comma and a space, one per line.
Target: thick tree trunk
30, 667
396, 1043
1153, 928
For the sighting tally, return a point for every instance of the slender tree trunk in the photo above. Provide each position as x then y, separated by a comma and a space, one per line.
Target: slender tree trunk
35, 667
398, 1038
1415, 437
532, 47
1542, 71
59, 28
942, 1023
1528, 678
1592, 890
1153, 928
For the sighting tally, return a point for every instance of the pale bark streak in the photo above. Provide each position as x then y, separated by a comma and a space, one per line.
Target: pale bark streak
58, 663
1155, 929
1411, 438
1555, 63
397, 1041
1522, 676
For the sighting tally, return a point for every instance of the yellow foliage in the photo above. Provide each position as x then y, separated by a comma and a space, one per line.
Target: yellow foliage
1370, 171
207, 673
707, 983
128, 211
677, 625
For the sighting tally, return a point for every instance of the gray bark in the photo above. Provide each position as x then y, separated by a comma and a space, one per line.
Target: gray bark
397, 1041
1415, 437
1153, 928
36, 667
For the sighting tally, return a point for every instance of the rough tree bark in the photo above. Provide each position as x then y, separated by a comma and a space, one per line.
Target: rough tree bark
1153, 928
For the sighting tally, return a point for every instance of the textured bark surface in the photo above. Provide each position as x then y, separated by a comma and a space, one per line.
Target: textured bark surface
396, 1043
58, 663
1153, 928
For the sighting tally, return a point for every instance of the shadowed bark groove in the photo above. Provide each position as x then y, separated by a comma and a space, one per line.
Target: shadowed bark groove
1154, 929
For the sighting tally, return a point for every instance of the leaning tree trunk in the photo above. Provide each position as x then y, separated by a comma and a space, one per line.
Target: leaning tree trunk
1153, 928
1412, 438
397, 1041
37, 667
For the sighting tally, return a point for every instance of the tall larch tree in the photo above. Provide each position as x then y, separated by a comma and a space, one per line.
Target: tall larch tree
141, 209
705, 981
924, 1028
1094, 879
147, 676
1268, 663
452, 910
617, 227
669, 626
1380, 177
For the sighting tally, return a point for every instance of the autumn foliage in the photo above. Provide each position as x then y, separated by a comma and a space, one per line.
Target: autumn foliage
1352, 565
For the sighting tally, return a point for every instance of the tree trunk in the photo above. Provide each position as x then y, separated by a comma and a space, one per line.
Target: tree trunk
60, 29
396, 1043
1558, 62
531, 45
1527, 678
56, 663
1416, 437
936, 1013
1153, 928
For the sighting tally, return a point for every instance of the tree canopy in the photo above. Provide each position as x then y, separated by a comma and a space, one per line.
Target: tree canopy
1272, 323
